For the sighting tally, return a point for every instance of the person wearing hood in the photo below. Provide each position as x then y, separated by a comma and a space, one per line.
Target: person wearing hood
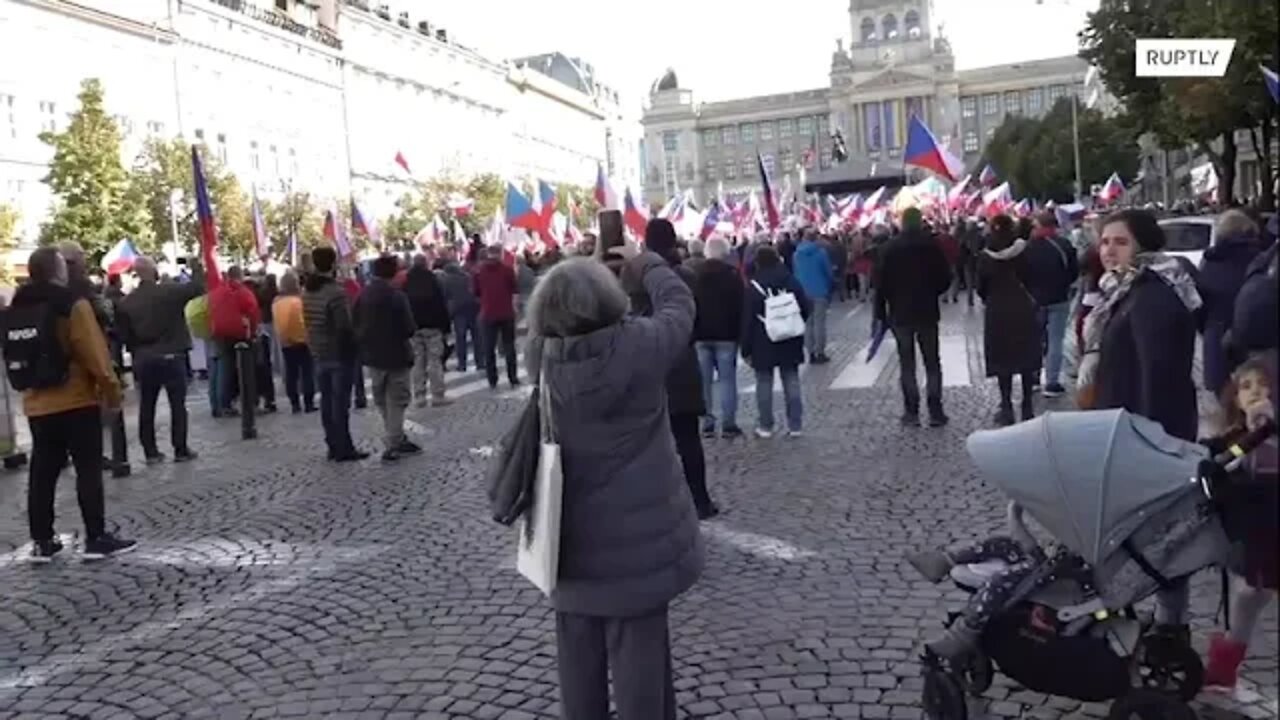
1010, 330
464, 311
431, 315
685, 400
629, 542
765, 355
1222, 273
816, 274
911, 273
331, 339
494, 283
1053, 267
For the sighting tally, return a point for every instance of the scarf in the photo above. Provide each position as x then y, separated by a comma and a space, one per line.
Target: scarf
1114, 287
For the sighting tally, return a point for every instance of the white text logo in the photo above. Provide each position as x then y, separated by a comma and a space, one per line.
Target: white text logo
1182, 57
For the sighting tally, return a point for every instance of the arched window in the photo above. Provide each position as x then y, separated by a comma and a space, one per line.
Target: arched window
868, 29
911, 23
890, 26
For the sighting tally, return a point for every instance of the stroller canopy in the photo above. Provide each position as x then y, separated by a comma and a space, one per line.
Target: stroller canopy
1090, 478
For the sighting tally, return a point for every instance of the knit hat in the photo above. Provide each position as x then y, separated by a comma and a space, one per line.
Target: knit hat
660, 237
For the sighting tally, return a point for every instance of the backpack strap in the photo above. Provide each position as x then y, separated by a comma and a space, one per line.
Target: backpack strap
759, 289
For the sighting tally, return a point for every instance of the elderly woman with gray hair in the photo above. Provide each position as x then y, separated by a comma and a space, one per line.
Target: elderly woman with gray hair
629, 541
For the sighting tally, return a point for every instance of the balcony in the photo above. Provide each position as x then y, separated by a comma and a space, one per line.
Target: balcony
278, 19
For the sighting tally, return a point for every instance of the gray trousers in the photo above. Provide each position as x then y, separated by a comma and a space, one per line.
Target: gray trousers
636, 649
391, 397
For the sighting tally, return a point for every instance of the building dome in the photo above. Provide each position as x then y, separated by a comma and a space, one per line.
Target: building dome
668, 81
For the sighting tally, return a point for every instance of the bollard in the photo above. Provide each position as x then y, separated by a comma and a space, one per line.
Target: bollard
248, 390
119, 446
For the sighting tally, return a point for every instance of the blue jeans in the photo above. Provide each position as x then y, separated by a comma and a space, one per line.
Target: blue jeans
815, 327
718, 360
790, 392
334, 379
1053, 318
467, 325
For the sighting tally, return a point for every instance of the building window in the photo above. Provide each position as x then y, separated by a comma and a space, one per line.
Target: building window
748, 166
729, 135
968, 106
786, 128
275, 161
970, 141
1035, 100
293, 163
711, 170
670, 141
709, 138
784, 157
868, 30
990, 104
155, 128
890, 26
8, 125
1056, 93
804, 126
253, 156
48, 116
826, 157
911, 23
1012, 103
824, 124
766, 131
199, 134
767, 160
730, 169
748, 133
222, 148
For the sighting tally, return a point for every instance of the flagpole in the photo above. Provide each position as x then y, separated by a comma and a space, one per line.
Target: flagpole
1075, 142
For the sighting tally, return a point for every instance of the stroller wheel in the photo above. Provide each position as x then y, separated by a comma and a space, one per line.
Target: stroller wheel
1143, 704
1171, 668
976, 673
943, 699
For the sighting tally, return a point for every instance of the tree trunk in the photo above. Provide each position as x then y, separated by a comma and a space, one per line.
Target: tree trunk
1265, 167
1227, 172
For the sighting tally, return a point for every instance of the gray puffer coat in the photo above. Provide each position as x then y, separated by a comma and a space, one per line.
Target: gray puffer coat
630, 541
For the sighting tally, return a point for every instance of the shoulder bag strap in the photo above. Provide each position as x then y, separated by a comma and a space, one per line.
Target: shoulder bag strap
759, 289
544, 395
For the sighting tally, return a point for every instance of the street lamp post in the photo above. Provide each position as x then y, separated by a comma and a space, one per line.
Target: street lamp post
1075, 142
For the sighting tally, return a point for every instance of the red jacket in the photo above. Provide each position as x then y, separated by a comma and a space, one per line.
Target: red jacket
233, 312
495, 284
950, 247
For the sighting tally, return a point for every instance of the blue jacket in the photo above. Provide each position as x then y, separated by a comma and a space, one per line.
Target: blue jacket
813, 270
1222, 272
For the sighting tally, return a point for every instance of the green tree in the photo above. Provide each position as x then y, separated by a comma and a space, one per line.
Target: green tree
1037, 155
234, 215
1193, 111
94, 205
8, 241
296, 212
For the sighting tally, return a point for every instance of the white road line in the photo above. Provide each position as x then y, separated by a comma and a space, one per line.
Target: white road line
749, 387
97, 652
862, 374
761, 546
953, 351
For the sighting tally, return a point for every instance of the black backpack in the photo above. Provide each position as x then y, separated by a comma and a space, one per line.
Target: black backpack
34, 358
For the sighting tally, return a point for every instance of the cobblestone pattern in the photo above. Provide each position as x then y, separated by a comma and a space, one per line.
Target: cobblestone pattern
273, 584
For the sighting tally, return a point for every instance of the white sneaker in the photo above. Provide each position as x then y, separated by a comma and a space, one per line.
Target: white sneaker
764, 434
795, 433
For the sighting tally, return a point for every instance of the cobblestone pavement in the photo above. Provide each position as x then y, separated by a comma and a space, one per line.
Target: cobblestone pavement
270, 583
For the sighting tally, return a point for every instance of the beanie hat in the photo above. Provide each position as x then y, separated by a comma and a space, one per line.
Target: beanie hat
660, 237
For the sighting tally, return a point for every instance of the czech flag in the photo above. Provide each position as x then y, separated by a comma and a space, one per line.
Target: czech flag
262, 240
633, 217
520, 211
1273, 82
119, 259
365, 225
460, 206
957, 192
924, 151
208, 229
988, 176
546, 202
1113, 190
711, 219
605, 195
335, 232
770, 206
998, 200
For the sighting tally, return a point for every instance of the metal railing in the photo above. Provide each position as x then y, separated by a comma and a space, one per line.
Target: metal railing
277, 19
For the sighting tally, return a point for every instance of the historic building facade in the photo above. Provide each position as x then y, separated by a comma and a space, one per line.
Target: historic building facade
894, 67
317, 96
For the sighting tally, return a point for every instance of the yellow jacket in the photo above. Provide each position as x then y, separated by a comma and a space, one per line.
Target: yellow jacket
286, 313
91, 378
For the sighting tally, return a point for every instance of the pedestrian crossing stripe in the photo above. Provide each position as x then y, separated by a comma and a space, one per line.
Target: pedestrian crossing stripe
953, 352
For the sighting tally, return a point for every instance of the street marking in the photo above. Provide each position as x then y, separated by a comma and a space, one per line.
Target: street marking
749, 388
859, 373
761, 546
97, 652
953, 352
859, 308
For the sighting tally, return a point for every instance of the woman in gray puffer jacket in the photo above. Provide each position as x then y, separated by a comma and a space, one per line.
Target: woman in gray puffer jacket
630, 542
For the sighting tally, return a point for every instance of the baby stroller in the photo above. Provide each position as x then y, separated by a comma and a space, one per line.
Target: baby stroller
1132, 503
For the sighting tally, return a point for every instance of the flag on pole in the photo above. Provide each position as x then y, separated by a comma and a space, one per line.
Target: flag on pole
459, 235
546, 202
1113, 189
260, 237
770, 206
460, 205
957, 191
988, 176
710, 220
998, 200
208, 229
520, 211
365, 225
402, 162
1272, 82
633, 216
606, 197
335, 232
120, 258
924, 151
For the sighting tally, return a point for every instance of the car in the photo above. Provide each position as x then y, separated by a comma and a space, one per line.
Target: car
1188, 237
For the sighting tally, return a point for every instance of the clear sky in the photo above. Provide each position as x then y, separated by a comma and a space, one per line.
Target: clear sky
736, 48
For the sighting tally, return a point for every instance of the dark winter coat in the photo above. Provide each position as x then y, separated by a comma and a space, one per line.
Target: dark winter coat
761, 352
430, 311
1011, 331
1253, 326
384, 325
718, 289
1222, 273
1145, 361
684, 382
494, 283
629, 541
911, 272
456, 284
327, 316
1052, 268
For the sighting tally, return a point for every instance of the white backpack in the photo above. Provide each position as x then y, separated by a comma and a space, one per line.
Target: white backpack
782, 319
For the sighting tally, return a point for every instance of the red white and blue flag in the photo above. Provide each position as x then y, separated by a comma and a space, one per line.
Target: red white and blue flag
924, 151
1272, 82
460, 205
1113, 189
547, 200
520, 212
335, 232
208, 228
606, 197
368, 226
710, 220
987, 178
260, 237
770, 205
956, 194
998, 200
633, 216
119, 259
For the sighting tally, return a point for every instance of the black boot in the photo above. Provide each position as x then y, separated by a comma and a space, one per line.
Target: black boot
1004, 416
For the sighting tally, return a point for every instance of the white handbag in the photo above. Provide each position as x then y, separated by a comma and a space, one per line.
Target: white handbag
538, 539
782, 318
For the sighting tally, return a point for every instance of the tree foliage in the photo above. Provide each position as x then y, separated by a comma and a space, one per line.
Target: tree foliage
1037, 155
94, 204
1192, 111
8, 241
297, 213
